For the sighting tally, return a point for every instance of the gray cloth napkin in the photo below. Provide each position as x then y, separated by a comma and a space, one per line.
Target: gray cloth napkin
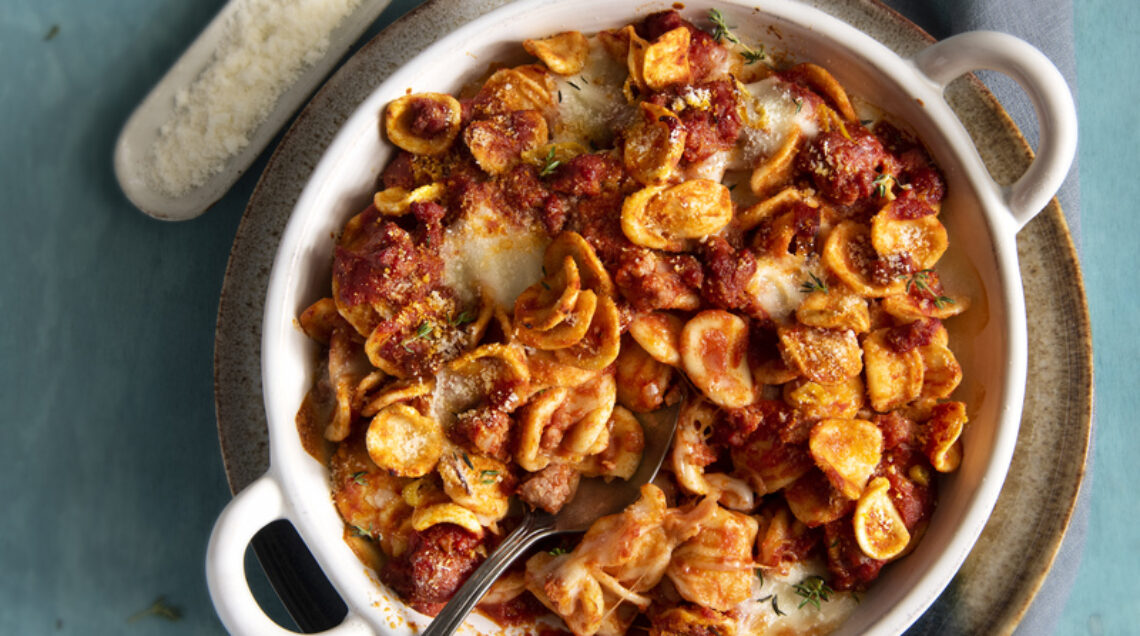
1048, 25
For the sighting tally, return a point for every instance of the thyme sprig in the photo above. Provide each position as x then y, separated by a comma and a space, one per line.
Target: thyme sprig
721, 31
813, 589
919, 281
813, 284
882, 184
549, 163
423, 332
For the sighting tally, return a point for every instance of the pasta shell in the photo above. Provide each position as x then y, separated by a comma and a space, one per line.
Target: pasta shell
924, 238
403, 442
599, 347
893, 379
426, 517
641, 380
549, 301
879, 528
663, 218
404, 122
662, 63
943, 430
848, 253
622, 455
835, 309
593, 274
500, 142
566, 333
813, 400
396, 201
564, 53
823, 355
847, 451
714, 354
654, 145
659, 334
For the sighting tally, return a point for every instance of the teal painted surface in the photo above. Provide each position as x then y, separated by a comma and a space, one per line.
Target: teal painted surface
109, 464
1108, 47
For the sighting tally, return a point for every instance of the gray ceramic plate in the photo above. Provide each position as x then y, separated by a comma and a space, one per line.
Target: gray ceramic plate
1011, 559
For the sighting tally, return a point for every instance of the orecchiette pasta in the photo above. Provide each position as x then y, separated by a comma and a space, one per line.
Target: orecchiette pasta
652, 214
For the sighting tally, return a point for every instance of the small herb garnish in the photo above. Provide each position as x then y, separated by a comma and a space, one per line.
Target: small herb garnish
813, 589
559, 551
559, 96
799, 105
159, 608
882, 183
813, 284
573, 85
487, 477
361, 532
760, 575
463, 318
776, 608
721, 31
549, 163
467, 460
919, 281
423, 332
360, 478
751, 56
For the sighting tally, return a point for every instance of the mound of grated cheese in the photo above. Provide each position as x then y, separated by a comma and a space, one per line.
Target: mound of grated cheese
266, 46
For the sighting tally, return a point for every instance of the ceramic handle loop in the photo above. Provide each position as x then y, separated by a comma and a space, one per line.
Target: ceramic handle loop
1056, 114
261, 503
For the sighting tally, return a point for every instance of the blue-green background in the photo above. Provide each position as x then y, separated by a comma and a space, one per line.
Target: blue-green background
110, 472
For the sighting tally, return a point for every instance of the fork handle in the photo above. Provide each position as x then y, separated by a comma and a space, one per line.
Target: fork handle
533, 527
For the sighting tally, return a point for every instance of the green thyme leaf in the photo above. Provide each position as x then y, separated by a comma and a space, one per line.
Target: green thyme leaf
776, 608
813, 589
751, 56
558, 551
549, 163
813, 284
463, 318
721, 31
882, 184
360, 478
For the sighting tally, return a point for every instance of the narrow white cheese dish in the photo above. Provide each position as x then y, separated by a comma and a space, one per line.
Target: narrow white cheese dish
216, 109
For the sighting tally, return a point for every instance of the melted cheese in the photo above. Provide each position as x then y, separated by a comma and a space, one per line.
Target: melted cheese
483, 251
758, 614
771, 113
591, 105
776, 284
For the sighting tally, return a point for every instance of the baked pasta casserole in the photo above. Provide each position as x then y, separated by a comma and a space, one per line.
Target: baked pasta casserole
646, 215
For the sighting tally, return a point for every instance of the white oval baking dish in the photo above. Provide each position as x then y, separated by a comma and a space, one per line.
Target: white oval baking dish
982, 217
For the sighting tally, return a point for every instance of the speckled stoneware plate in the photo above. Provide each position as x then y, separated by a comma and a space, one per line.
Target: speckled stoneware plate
996, 584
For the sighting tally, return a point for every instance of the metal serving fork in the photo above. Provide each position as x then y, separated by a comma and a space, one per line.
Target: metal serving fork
594, 499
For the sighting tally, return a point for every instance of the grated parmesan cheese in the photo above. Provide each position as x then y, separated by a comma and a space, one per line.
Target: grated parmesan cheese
266, 46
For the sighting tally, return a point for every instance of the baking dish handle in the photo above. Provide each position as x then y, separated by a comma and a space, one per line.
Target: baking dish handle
261, 503
1056, 114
